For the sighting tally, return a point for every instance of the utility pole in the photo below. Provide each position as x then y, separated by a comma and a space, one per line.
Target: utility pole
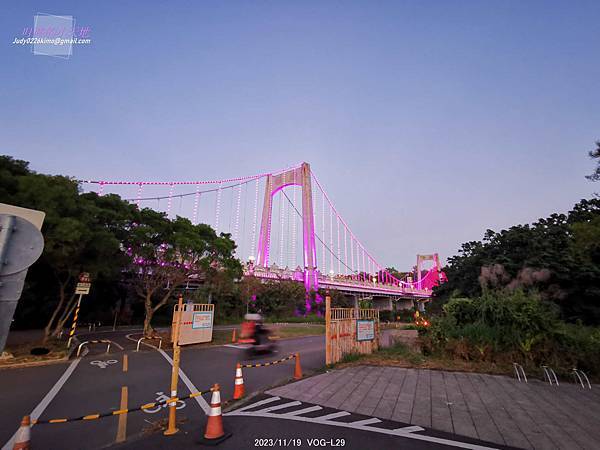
172, 427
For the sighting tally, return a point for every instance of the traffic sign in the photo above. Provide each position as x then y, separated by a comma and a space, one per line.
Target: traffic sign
83, 288
84, 285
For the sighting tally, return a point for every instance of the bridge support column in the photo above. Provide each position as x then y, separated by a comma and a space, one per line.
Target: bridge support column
382, 303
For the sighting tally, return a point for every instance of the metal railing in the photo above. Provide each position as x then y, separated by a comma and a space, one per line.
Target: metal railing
580, 376
550, 375
100, 341
143, 337
519, 372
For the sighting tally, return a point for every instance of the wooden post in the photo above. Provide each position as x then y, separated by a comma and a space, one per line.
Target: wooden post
172, 427
327, 329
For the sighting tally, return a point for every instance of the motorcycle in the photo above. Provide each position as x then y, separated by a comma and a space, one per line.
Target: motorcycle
255, 334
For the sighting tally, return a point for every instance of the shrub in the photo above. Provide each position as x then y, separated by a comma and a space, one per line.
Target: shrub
503, 326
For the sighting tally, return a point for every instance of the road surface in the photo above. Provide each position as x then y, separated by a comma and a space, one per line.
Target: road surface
101, 383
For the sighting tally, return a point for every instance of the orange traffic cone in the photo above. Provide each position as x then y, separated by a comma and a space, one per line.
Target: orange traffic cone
238, 391
297, 369
214, 426
23, 437
233, 338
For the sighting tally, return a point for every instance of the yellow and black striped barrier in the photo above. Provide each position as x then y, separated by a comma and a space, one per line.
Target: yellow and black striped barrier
270, 363
118, 412
297, 368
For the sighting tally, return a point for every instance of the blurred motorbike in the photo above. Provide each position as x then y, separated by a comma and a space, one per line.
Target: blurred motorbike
257, 335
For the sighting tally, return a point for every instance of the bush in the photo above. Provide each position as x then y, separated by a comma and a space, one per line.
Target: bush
503, 326
386, 316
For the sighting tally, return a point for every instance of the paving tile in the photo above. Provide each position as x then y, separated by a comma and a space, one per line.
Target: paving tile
441, 418
484, 423
489, 407
509, 429
421, 412
544, 435
462, 421
404, 404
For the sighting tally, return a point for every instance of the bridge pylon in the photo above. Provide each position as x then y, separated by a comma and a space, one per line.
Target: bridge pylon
298, 176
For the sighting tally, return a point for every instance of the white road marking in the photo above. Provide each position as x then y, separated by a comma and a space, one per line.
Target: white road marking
205, 406
366, 421
262, 402
239, 346
103, 364
304, 411
41, 407
335, 415
282, 406
405, 432
410, 429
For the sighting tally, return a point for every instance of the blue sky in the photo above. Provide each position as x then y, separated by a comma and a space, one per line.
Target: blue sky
427, 122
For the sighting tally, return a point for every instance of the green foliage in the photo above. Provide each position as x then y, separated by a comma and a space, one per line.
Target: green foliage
505, 326
351, 357
400, 350
595, 154
559, 257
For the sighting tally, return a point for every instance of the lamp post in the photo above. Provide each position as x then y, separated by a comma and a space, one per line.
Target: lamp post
250, 270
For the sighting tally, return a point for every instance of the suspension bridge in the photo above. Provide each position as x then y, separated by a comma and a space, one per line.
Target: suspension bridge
292, 231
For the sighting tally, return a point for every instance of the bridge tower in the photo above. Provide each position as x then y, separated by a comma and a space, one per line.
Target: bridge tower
421, 258
298, 176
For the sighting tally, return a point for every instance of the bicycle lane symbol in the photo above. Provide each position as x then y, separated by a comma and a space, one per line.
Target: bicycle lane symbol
161, 397
103, 364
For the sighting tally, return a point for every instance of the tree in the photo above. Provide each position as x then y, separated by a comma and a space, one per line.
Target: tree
595, 154
559, 256
166, 254
81, 233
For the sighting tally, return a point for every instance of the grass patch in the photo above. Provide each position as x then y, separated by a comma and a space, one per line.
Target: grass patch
400, 351
296, 319
57, 349
291, 331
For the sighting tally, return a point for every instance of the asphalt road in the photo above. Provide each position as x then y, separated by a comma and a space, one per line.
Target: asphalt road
100, 383
97, 381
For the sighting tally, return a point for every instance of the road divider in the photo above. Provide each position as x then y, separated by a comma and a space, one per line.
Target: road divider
239, 380
99, 341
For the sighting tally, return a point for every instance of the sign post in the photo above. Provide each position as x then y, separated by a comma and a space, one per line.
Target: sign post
83, 288
172, 427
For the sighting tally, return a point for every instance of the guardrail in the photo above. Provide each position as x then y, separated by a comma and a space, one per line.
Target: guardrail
144, 337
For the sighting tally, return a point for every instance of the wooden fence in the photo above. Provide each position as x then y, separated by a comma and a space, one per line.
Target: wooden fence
349, 330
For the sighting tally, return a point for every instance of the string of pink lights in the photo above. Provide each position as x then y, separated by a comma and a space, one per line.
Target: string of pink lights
235, 203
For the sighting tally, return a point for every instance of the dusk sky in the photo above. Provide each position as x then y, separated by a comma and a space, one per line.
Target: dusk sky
427, 122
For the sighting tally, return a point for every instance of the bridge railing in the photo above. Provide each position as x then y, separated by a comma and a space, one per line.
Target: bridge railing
276, 273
